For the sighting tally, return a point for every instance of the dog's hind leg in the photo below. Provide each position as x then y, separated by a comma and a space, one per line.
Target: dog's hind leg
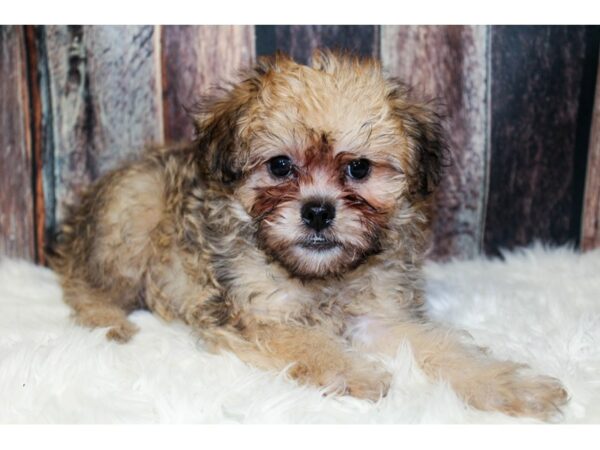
91, 309
106, 245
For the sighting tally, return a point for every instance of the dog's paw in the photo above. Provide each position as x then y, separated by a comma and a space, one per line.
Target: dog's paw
369, 386
369, 383
535, 396
122, 332
366, 381
516, 392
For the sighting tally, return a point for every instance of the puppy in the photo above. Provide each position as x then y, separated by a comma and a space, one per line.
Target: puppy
290, 232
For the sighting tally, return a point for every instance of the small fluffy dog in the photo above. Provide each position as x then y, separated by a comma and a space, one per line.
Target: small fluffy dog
290, 232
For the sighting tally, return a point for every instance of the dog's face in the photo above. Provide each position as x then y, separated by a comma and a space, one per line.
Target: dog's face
324, 159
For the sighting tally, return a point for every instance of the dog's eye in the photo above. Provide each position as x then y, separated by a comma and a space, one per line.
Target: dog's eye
358, 169
280, 166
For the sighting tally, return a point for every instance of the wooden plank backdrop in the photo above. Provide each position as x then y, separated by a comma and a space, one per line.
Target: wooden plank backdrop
449, 63
194, 60
41, 143
17, 227
590, 232
106, 100
75, 101
299, 41
536, 93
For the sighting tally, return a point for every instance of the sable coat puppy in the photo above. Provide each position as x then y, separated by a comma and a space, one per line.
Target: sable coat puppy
290, 232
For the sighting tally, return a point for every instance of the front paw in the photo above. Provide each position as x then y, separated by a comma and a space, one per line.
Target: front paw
367, 385
535, 396
518, 393
369, 382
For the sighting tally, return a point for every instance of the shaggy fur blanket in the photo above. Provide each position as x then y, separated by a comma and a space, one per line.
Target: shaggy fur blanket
539, 306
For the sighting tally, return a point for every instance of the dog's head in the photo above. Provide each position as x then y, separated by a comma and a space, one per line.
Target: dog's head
324, 159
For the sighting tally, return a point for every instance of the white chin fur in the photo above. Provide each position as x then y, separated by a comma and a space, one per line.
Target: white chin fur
316, 260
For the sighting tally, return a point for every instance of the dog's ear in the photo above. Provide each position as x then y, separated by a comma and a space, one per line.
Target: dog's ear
220, 120
422, 124
218, 140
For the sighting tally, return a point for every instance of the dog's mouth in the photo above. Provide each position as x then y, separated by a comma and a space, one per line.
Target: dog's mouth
318, 243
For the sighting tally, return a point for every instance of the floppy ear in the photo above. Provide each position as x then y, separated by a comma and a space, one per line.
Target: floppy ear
220, 120
217, 121
429, 152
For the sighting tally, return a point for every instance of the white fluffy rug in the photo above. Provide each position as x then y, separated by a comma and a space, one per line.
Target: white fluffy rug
540, 306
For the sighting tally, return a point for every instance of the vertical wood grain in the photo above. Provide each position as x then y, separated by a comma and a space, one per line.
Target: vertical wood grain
195, 59
77, 100
106, 101
537, 95
299, 41
590, 232
17, 228
34, 63
449, 64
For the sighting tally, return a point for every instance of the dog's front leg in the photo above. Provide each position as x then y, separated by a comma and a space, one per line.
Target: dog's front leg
483, 382
312, 355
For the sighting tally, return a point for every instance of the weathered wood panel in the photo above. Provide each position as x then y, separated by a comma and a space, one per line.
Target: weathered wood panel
17, 235
448, 63
38, 127
590, 232
106, 100
536, 100
299, 41
194, 60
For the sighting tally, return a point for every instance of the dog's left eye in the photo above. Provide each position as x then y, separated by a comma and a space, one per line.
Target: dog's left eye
358, 169
280, 166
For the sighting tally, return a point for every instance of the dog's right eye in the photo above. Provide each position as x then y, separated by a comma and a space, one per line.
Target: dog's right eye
280, 166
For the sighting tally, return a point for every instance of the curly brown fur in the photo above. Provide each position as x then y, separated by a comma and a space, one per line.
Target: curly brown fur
207, 234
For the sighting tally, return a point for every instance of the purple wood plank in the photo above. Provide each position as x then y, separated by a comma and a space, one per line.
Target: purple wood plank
195, 59
449, 63
17, 228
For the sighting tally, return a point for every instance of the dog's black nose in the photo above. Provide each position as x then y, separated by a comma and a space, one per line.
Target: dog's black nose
318, 215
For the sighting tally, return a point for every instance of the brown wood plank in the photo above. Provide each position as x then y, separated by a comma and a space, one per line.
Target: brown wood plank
34, 85
17, 229
590, 232
535, 188
299, 41
42, 138
449, 63
106, 101
195, 59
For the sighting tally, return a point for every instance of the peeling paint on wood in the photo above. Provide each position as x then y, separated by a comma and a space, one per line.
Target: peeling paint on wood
106, 100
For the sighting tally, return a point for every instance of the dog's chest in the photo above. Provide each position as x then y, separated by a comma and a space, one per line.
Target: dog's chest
273, 296
307, 304
268, 293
